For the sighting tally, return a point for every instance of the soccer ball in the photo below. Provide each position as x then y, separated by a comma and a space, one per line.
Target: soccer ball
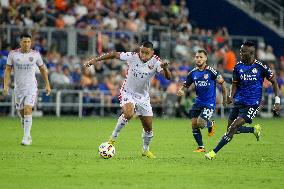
106, 150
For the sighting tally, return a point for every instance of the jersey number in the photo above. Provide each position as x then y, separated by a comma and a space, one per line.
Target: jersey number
252, 113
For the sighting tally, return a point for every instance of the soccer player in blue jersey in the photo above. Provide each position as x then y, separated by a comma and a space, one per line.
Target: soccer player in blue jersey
246, 93
204, 79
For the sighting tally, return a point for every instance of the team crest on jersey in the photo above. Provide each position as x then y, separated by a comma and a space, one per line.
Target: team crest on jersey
206, 76
31, 59
125, 99
150, 66
254, 70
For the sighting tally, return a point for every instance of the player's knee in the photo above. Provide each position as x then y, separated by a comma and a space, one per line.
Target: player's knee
148, 134
128, 115
28, 110
201, 123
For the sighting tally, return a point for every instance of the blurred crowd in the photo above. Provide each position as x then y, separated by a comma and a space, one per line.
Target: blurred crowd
132, 16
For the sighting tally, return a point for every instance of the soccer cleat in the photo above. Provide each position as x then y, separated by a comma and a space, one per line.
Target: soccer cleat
27, 141
257, 131
200, 149
211, 130
210, 155
148, 154
111, 140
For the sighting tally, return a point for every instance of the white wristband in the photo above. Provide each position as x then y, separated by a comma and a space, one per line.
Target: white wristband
277, 100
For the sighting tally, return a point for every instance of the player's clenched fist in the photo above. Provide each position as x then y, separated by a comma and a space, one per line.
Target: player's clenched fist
180, 92
90, 62
164, 65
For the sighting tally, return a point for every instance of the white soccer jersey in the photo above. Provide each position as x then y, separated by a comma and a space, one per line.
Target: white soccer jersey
139, 74
24, 65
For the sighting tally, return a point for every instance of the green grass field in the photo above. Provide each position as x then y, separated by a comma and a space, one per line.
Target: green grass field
64, 155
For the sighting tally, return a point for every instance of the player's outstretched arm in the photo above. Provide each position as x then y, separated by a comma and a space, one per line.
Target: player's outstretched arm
45, 78
110, 55
7, 76
166, 72
224, 93
276, 107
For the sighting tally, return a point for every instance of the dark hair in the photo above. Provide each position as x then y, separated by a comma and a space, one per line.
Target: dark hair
249, 44
148, 44
202, 51
25, 35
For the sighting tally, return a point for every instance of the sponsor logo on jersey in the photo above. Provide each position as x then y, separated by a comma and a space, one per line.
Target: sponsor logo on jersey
201, 83
248, 77
254, 70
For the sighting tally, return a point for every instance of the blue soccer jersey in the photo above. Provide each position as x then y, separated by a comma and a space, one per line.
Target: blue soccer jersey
249, 80
205, 85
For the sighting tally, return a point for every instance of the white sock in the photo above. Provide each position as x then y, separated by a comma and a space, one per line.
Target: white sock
121, 122
147, 137
28, 120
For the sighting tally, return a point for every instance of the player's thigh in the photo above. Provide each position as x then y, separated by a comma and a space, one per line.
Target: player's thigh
19, 102
146, 122
195, 111
29, 103
127, 104
144, 107
234, 114
248, 113
128, 110
204, 117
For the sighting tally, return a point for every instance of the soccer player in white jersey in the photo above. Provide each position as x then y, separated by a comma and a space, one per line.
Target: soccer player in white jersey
24, 61
134, 93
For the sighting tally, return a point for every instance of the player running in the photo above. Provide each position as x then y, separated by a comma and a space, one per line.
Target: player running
134, 93
204, 78
24, 61
246, 94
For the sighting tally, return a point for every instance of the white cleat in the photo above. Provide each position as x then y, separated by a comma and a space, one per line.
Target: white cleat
27, 141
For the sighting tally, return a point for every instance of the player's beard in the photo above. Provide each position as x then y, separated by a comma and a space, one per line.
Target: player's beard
201, 65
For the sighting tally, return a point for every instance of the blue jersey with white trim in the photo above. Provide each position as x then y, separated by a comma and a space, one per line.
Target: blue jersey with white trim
205, 85
249, 80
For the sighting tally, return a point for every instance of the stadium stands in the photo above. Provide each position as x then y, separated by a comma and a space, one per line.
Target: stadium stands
68, 32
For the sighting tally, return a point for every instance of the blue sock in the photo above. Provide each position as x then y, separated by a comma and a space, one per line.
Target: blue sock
224, 140
198, 137
244, 129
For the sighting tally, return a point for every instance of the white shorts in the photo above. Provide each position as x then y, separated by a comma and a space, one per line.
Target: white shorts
141, 103
25, 100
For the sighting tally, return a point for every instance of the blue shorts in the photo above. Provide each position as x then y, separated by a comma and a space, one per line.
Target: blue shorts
201, 111
244, 111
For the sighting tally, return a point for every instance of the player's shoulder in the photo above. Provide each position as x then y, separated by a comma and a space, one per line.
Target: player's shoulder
35, 52
193, 71
260, 64
14, 51
211, 69
238, 65
156, 58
